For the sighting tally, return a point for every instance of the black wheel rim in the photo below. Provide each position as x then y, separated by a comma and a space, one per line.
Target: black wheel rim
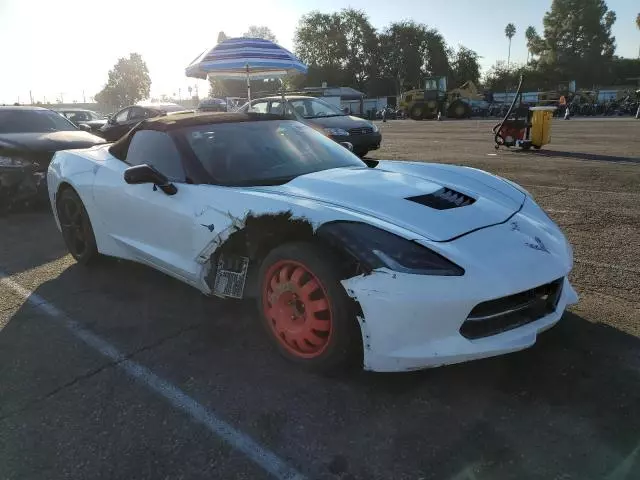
74, 226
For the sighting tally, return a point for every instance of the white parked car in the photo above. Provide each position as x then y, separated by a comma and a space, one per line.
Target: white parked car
402, 265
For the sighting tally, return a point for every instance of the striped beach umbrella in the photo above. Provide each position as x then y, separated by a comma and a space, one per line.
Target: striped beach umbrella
249, 58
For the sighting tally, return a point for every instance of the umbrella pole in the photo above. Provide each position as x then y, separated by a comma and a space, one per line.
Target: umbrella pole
248, 86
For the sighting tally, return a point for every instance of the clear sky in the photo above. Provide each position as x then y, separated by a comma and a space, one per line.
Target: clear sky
55, 47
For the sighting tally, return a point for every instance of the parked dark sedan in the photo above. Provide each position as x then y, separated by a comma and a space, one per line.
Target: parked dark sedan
212, 105
81, 117
337, 125
121, 122
29, 136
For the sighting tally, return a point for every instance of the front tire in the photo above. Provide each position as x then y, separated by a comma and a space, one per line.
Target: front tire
304, 308
77, 231
417, 111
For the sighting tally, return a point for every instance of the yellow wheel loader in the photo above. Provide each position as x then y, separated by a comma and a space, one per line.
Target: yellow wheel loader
426, 103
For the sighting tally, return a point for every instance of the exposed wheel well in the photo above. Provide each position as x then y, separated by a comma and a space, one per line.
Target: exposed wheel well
260, 234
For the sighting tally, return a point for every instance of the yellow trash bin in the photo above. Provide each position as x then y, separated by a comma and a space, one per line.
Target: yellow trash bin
541, 125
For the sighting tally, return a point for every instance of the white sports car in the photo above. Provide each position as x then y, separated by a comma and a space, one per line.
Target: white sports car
401, 265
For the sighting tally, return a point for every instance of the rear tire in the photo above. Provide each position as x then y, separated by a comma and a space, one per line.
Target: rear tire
304, 308
77, 231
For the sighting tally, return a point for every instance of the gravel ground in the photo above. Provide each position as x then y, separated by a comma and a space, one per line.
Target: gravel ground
568, 408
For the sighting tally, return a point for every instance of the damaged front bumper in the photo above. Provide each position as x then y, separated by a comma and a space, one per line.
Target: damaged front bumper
21, 184
409, 323
510, 292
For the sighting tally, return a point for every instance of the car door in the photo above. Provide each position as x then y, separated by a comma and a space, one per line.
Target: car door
153, 227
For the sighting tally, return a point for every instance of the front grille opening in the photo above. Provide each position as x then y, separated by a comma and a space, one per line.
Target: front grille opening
361, 131
443, 199
506, 313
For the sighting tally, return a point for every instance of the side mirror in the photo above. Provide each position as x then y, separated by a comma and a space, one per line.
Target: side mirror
84, 126
347, 145
147, 174
346, 110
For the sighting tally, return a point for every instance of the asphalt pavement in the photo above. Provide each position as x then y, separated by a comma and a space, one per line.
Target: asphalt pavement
119, 372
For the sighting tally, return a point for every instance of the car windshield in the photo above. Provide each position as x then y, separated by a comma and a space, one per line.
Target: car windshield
33, 121
264, 152
314, 108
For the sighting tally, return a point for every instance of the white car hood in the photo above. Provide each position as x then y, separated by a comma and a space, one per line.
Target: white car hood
382, 193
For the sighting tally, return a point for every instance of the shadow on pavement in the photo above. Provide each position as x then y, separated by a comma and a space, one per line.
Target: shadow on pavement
566, 408
28, 240
582, 156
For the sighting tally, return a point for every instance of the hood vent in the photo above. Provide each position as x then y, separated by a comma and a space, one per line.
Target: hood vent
443, 199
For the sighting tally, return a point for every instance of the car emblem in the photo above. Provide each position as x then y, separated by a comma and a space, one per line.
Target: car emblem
210, 227
538, 245
515, 227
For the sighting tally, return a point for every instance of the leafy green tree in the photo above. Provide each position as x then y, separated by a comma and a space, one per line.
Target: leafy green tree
319, 40
128, 83
263, 32
340, 48
509, 32
411, 51
577, 42
361, 47
464, 66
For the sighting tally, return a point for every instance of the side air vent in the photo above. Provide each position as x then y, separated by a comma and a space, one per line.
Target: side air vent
443, 199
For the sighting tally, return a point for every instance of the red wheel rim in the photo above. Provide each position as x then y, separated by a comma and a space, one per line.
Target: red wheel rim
297, 308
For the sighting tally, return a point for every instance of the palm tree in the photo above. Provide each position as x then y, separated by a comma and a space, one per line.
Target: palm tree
530, 34
509, 31
638, 25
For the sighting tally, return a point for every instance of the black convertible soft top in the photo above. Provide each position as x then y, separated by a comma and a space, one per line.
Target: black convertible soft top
188, 119
180, 120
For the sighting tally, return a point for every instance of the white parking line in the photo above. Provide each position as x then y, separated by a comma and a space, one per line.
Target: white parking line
261, 456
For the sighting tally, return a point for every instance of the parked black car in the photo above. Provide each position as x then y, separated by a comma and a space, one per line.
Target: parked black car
121, 122
333, 122
29, 136
81, 117
212, 105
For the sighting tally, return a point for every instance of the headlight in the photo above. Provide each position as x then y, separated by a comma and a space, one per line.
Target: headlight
336, 132
375, 128
378, 248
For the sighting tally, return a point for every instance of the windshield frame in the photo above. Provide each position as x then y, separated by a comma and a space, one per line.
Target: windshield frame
192, 159
50, 113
